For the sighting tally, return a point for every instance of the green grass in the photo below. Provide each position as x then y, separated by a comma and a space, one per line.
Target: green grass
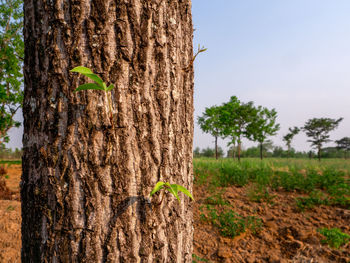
314, 199
230, 223
260, 193
331, 176
10, 162
334, 237
196, 259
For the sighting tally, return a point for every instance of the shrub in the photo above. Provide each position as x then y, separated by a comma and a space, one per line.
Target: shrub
334, 237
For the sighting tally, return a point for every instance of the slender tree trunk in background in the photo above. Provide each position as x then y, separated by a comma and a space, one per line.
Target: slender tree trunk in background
216, 147
261, 151
85, 185
289, 151
319, 153
239, 151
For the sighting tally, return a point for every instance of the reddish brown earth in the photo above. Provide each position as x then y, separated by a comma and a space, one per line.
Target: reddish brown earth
10, 216
287, 235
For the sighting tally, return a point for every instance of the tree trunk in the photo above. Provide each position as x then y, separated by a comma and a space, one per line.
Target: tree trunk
216, 147
85, 184
239, 151
319, 153
261, 151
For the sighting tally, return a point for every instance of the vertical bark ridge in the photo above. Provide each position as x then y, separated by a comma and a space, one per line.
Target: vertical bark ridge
87, 190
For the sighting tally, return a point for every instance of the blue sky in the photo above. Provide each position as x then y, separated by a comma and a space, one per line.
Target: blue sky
291, 55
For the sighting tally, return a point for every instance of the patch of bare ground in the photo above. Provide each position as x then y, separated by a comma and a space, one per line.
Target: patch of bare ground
10, 216
10, 231
287, 235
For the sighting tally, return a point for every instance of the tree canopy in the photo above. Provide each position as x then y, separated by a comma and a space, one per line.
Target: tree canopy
318, 129
263, 125
210, 122
11, 60
236, 116
344, 144
290, 135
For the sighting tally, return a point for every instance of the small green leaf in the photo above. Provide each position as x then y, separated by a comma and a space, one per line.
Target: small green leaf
88, 73
88, 86
95, 78
82, 70
110, 87
172, 188
185, 191
158, 186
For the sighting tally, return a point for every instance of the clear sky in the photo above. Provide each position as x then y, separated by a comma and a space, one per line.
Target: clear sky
291, 55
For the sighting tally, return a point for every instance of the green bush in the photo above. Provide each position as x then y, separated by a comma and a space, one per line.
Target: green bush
315, 198
231, 224
334, 237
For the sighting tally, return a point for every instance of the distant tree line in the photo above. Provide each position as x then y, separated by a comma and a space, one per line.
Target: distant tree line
236, 120
8, 153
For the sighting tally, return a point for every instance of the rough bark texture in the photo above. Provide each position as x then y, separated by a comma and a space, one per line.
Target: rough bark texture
85, 185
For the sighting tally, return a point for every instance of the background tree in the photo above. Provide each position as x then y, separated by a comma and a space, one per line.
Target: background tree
11, 61
235, 118
318, 129
344, 144
86, 182
289, 137
196, 152
210, 152
263, 125
210, 122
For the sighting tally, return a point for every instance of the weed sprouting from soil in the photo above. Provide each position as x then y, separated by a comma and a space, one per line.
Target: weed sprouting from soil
230, 223
334, 237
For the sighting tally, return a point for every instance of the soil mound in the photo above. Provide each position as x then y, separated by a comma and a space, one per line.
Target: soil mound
5, 193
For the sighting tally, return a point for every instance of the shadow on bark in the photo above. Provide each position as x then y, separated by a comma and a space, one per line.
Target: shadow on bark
142, 204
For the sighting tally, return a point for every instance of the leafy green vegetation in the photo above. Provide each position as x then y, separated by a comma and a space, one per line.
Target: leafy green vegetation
334, 237
172, 188
196, 259
9, 162
260, 193
325, 184
315, 198
11, 62
229, 223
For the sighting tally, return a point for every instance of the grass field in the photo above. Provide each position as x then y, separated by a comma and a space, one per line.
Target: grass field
9, 162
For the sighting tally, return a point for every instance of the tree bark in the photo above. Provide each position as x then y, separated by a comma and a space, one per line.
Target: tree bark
261, 151
239, 151
85, 185
216, 147
319, 153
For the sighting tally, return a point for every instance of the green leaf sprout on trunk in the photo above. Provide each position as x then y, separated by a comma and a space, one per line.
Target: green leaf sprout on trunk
100, 85
172, 188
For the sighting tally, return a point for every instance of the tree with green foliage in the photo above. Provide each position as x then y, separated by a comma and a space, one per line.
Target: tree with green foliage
210, 152
235, 118
11, 61
318, 129
344, 144
289, 137
210, 122
263, 125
